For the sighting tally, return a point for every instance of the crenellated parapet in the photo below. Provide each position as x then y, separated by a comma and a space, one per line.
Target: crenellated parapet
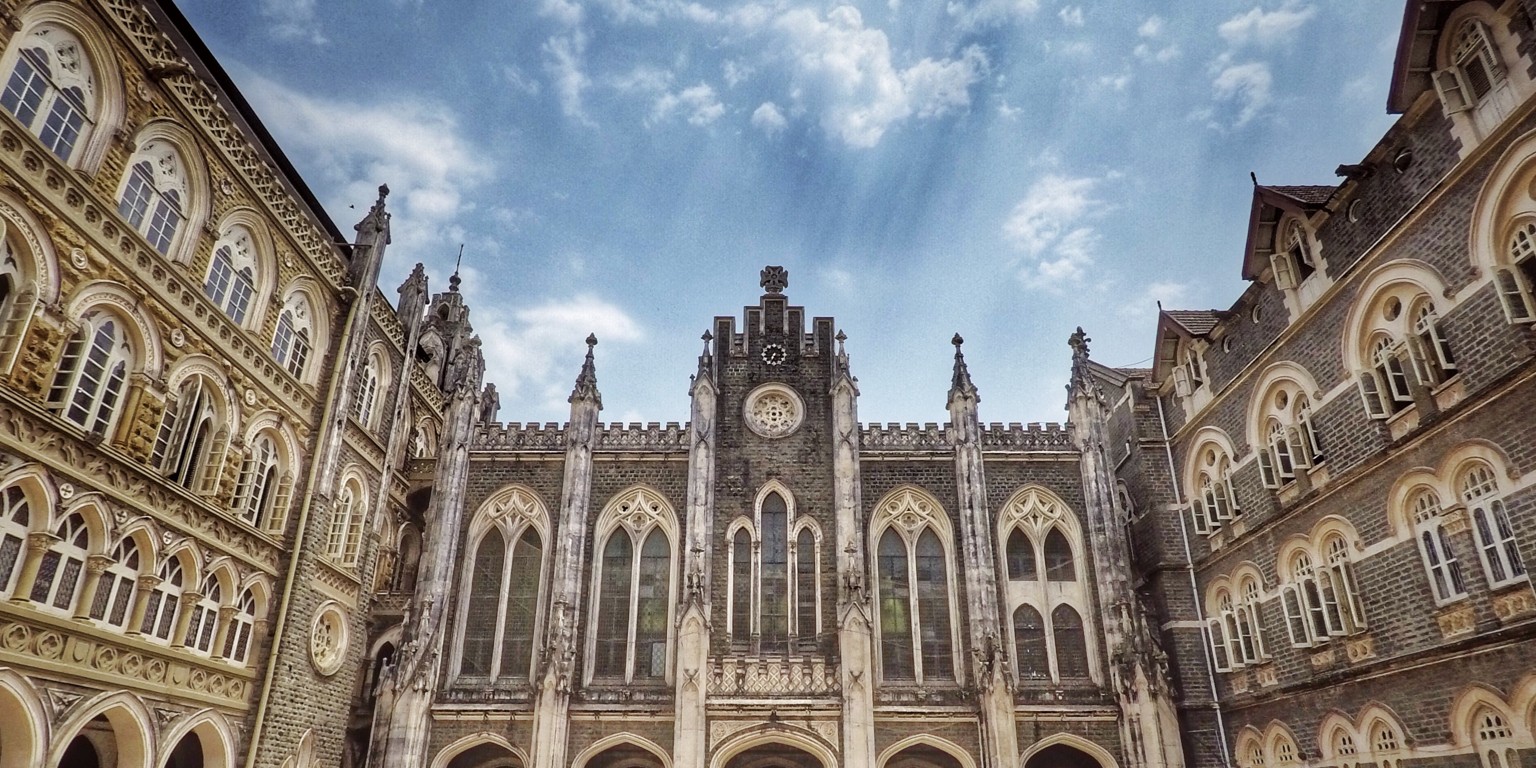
994, 437
651, 437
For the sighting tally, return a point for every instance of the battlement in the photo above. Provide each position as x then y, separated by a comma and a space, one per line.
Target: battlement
550, 436
996, 436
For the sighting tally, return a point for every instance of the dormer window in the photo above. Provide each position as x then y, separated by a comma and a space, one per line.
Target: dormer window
1473, 70
1190, 373
1293, 260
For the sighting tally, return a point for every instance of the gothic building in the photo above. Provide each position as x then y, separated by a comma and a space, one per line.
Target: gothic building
255, 512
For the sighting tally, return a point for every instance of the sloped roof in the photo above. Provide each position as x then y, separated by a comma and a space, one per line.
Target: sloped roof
1416, 44
1308, 195
1270, 202
1198, 322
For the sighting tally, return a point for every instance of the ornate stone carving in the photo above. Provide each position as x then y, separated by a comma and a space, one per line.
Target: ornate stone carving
328, 639
774, 410
772, 676
774, 279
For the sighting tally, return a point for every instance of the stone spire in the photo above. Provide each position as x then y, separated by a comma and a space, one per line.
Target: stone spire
706, 358
960, 385
1083, 379
840, 363
586, 381
377, 219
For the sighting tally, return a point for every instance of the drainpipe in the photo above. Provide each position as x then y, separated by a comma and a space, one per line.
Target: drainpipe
1194, 586
297, 547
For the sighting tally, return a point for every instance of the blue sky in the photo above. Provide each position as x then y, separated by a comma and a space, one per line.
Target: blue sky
1005, 169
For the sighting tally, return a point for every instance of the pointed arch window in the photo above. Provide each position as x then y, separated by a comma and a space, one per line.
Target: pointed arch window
1058, 557
1495, 532
346, 531
1071, 645
1440, 563
1516, 279
59, 571
118, 583
409, 553
263, 491
502, 614
1385, 744
1021, 557
52, 89
231, 279
154, 193
913, 591
1046, 593
774, 571
88, 386
191, 438
237, 643
15, 526
365, 406
1215, 503
633, 584
205, 616
1031, 652
1494, 739
293, 340
164, 601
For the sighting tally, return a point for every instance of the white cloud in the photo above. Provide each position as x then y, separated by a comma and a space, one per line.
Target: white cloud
768, 119
844, 72
520, 81
1265, 28
1008, 111
1147, 52
1247, 86
990, 13
1071, 15
536, 352
565, 12
293, 20
735, 72
1152, 27
1117, 83
641, 79
697, 103
416, 148
1051, 228
563, 62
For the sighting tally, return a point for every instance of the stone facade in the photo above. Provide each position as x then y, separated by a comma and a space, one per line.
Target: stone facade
254, 511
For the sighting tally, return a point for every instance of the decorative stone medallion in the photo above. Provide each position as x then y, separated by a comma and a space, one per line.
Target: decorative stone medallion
328, 639
773, 410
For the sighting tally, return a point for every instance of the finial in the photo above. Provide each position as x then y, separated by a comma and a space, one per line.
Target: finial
383, 193
842, 353
453, 282
960, 384
774, 279
1253, 177
586, 381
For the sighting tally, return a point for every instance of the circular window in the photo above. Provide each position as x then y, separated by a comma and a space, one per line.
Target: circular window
1403, 160
1354, 210
1226, 344
1393, 309
328, 639
1256, 314
773, 410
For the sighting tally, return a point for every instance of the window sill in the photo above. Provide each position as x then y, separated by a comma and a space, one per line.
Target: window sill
1514, 601
1403, 422
1449, 393
1456, 618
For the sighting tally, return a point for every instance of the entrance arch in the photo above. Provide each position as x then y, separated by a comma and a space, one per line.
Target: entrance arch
1067, 751
623, 750
774, 756
481, 750
23, 737
923, 756
113, 732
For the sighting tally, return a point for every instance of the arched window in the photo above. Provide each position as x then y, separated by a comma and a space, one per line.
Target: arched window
1291, 440
1021, 557
1472, 71
58, 574
15, 525
633, 584
232, 273
237, 643
773, 622
409, 550
115, 590
1405, 349
265, 486
1215, 502
205, 616
1322, 603
1030, 651
293, 340
1046, 591
1343, 745
1250, 620
88, 386
164, 601
191, 438
365, 406
154, 193
52, 89
11, 280
741, 586
1494, 739
1235, 634
1385, 745
346, 531
912, 568
1490, 521
1293, 260
1434, 543
807, 617
1285, 751
1071, 646
1516, 279
503, 604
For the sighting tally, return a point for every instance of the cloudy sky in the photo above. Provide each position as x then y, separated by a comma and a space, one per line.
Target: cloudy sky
1007, 169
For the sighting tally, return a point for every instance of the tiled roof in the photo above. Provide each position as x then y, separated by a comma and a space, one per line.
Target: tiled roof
1315, 194
1135, 373
1198, 322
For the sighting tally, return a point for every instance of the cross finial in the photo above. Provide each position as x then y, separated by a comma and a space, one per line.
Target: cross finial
453, 282
774, 279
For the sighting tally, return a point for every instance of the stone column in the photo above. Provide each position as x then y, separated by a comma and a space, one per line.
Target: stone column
552, 705
690, 738
95, 565
38, 543
188, 602
1135, 675
221, 633
142, 589
1000, 743
855, 629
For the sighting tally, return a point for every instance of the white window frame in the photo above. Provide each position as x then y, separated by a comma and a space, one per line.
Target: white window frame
634, 512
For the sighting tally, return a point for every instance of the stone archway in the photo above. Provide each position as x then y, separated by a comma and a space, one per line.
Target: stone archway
774, 756
486, 755
923, 756
1062, 756
624, 756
